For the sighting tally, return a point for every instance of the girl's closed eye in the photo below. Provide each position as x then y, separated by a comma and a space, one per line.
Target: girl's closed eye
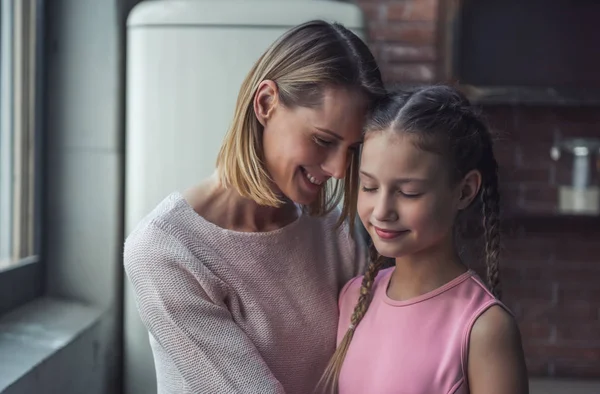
411, 194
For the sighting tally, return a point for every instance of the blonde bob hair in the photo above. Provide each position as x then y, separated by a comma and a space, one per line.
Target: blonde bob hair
302, 62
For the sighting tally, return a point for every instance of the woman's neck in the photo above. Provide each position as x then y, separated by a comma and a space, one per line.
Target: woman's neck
228, 209
422, 272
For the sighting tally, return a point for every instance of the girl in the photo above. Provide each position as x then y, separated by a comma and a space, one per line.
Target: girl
428, 325
237, 279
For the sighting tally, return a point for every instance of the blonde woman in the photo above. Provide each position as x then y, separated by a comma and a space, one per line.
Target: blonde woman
237, 279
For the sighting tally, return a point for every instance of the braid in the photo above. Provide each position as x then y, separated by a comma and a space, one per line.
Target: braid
330, 378
365, 289
490, 198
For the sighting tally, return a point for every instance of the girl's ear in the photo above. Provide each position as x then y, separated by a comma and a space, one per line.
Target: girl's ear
469, 188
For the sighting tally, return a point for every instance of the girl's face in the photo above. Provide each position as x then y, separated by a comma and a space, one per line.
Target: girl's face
406, 200
305, 147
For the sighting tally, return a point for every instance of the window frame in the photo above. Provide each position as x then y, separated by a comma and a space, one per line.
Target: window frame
22, 107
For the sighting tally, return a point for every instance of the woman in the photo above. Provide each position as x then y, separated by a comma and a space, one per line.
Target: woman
237, 279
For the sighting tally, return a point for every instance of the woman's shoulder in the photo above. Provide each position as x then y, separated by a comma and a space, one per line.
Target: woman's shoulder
164, 219
161, 234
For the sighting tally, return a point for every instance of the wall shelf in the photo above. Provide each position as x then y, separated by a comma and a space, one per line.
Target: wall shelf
529, 96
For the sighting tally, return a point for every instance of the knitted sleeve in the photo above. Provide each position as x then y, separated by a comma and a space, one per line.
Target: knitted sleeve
182, 304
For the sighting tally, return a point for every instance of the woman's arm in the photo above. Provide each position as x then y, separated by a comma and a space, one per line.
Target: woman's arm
210, 352
496, 364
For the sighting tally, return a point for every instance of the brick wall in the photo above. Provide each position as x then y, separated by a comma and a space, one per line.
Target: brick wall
403, 38
551, 266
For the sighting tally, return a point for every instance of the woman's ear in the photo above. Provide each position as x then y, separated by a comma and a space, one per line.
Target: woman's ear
469, 188
265, 101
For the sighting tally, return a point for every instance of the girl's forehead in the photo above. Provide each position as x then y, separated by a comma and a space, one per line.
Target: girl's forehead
396, 155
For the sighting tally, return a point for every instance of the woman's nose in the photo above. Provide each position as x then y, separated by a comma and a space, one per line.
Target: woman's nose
336, 163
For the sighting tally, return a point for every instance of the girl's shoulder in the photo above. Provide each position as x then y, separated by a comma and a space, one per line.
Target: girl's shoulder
351, 290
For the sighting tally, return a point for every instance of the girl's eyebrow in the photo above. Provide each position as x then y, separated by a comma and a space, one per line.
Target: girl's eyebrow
399, 180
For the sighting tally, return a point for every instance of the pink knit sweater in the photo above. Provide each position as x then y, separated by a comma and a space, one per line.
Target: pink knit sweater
234, 312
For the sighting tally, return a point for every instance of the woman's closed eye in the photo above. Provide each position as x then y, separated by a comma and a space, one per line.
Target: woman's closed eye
322, 141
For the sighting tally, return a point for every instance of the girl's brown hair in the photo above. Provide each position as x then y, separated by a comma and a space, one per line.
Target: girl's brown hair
303, 62
441, 120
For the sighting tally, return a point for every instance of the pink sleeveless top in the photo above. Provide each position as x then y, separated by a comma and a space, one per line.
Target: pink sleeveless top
417, 346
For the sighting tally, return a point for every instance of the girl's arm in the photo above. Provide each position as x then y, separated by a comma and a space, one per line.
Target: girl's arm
496, 363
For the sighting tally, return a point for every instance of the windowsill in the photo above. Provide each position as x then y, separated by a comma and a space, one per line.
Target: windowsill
33, 333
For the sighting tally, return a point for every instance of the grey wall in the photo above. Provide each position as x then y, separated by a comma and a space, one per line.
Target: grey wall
83, 234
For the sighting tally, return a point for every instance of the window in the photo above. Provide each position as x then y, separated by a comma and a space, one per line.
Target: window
20, 162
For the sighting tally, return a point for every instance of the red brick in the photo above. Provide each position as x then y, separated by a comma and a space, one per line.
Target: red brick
509, 198
525, 174
534, 125
537, 309
578, 250
577, 368
399, 12
585, 277
524, 251
578, 291
567, 331
580, 121
409, 34
541, 194
535, 331
394, 53
581, 312
505, 154
501, 120
564, 351
527, 289
421, 73
537, 366
537, 208
534, 155
413, 11
373, 11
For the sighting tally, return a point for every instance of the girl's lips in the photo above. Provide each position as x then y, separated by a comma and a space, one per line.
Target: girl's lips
388, 234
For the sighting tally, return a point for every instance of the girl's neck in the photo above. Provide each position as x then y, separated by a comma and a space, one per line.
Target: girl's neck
422, 272
228, 209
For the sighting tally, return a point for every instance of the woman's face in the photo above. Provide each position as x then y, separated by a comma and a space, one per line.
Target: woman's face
304, 147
